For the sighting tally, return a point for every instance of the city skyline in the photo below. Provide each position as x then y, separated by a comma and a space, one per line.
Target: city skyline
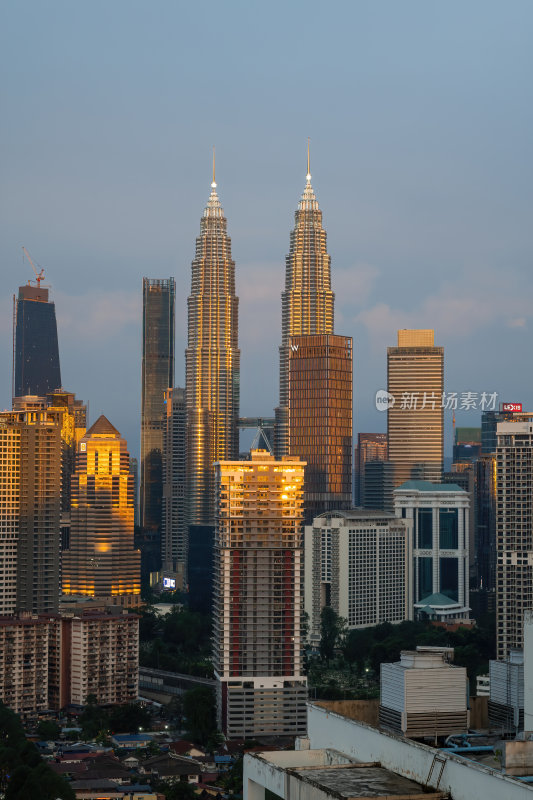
423, 179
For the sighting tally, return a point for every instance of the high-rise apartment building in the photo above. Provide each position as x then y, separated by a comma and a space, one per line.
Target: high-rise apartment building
307, 300
320, 418
370, 447
174, 539
514, 530
52, 661
358, 562
257, 648
157, 376
36, 351
415, 420
439, 514
102, 656
24, 661
72, 419
30, 488
101, 560
212, 362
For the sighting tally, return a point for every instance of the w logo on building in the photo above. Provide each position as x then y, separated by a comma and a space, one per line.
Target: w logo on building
294, 347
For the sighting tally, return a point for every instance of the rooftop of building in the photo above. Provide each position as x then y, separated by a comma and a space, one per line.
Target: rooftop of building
132, 737
170, 764
438, 600
359, 514
427, 486
462, 773
102, 427
263, 456
328, 773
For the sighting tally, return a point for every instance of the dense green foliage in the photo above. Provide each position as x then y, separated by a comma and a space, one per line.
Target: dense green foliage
370, 647
200, 712
181, 790
48, 729
332, 632
96, 721
354, 671
232, 780
178, 642
23, 774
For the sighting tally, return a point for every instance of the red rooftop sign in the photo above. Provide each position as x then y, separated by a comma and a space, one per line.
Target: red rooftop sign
511, 406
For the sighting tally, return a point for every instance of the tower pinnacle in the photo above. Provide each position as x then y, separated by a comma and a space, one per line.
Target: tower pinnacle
308, 176
214, 185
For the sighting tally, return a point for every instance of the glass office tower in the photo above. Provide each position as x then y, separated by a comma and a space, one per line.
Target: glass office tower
157, 376
36, 351
415, 418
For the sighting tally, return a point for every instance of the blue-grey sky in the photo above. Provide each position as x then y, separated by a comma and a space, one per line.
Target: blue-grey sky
421, 123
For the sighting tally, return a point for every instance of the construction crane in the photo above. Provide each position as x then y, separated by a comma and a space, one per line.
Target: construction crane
39, 276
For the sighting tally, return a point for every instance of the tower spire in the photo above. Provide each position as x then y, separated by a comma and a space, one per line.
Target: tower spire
214, 185
308, 176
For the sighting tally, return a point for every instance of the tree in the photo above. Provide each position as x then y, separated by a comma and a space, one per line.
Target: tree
129, 718
181, 790
199, 709
149, 623
232, 780
22, 771
93, 719
332, 632
48, 729
174, 710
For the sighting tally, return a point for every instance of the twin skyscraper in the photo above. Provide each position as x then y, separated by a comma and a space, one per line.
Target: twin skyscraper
184, 432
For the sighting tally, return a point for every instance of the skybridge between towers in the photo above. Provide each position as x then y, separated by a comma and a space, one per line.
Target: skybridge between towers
264, 431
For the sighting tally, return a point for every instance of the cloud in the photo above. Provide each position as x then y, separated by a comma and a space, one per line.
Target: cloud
353, 286
97, 315
483, 298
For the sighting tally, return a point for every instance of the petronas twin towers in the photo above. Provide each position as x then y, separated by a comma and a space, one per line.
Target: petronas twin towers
212, 361
213, 356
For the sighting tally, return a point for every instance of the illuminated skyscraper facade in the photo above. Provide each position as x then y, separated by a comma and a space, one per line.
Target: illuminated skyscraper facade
157, 376
212, 361
320, 418
36, 351
307, 300
101, 560
72, 419
30, 491
415, 422
257, 648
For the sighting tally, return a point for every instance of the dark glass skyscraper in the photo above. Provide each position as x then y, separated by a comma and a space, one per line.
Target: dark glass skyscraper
36, 352
157, 376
